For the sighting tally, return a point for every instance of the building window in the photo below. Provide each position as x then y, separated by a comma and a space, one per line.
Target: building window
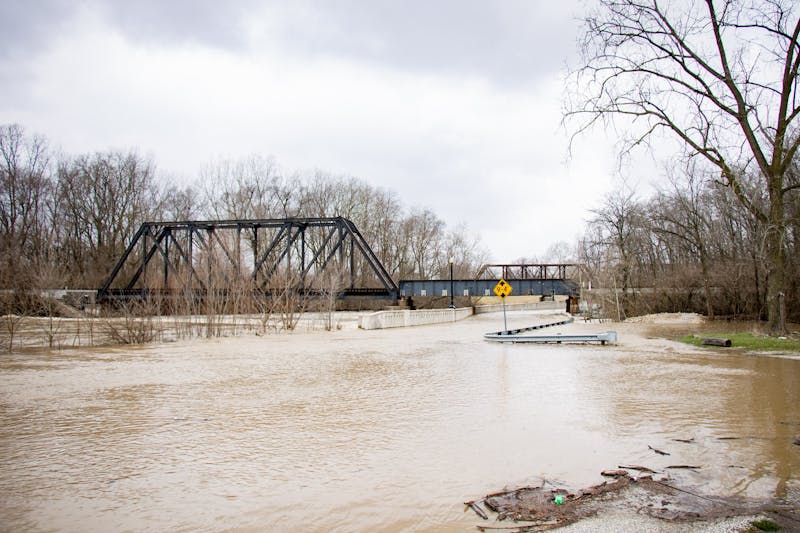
423, 292
466, 292
444, 292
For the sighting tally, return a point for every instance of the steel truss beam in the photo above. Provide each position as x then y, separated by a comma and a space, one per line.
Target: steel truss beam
193, 257
537, 271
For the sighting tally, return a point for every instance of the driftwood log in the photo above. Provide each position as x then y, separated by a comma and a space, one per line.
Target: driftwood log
716, 341
615, 473
478, 510
639, 468
659, 452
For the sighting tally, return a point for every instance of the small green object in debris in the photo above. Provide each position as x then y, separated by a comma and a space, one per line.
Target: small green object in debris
765, 525
559, 499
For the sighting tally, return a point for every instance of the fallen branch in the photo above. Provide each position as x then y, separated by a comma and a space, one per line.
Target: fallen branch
659, 452
614, 473
673, 487
685, 441
542, 525
478, 509
514, 491
538, 526
639, 468
690, 467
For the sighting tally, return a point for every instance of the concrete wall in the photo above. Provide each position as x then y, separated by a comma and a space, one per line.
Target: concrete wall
528, 306
420, 317
404, 318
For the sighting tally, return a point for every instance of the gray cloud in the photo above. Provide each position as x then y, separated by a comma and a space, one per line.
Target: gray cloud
209, 22
506, 42
26, 27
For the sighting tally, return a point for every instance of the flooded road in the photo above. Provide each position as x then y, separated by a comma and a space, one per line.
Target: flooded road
372, 430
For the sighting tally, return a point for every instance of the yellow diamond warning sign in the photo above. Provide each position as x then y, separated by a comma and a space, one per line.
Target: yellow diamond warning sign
502, 289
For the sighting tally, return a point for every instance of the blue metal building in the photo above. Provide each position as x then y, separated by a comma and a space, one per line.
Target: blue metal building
484, 287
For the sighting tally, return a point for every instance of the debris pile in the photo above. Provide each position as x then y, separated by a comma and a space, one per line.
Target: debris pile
542, 508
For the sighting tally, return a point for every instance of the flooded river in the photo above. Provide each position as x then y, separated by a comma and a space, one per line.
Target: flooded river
372, 430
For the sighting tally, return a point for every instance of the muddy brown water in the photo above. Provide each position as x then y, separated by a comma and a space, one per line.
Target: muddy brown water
373, 430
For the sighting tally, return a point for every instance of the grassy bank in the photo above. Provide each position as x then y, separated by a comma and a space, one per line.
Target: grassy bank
748, 341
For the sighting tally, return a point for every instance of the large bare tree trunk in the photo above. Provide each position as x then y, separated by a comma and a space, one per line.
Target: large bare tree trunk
776, 254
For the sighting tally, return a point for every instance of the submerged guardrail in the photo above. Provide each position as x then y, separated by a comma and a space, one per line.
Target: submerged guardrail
516, 335
517, 331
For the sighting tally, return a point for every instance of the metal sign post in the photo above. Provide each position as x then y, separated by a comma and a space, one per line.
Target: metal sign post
503, 289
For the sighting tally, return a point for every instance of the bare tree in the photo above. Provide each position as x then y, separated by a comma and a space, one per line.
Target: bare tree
618, 222
424, 232
102, 199
253, 187
466, 250
12, 317
179, 203
288, 303
720, 78
135, 323
329, 284
559, 252
682, 213
25, 195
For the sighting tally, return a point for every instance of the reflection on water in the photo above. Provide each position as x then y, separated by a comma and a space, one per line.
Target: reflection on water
366, 430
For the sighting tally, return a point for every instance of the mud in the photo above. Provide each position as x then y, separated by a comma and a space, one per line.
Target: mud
547, 507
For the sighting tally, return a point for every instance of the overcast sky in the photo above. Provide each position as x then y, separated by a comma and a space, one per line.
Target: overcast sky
454, 104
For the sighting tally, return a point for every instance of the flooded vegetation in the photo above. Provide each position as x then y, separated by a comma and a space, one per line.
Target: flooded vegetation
376, 430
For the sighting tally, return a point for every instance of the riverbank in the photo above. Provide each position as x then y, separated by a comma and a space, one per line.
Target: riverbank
633, 501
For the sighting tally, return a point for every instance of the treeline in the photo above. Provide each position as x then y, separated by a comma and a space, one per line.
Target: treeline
693, 246
66, 219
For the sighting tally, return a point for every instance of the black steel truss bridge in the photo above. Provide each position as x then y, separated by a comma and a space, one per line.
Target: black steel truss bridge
527, 271
196, 258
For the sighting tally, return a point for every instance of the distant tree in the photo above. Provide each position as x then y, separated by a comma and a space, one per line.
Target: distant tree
559, 252
179, 203
424, 232
102, 199
720, 78
25, 201
616, 241
466, 250
248, 188
682, 213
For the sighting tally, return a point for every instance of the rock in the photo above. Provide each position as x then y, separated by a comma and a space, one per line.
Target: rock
797, 440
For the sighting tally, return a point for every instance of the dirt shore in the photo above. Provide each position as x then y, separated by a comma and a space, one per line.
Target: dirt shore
631, 502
